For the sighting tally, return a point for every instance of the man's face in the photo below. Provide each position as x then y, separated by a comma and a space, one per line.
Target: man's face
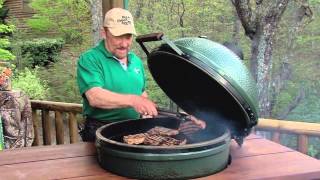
119, 46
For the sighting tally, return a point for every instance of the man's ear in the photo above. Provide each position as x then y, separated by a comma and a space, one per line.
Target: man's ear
103, 33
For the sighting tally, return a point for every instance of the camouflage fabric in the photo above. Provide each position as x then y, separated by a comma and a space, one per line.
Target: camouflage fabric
15, 112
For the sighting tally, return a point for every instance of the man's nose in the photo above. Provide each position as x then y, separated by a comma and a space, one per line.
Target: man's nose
124, 42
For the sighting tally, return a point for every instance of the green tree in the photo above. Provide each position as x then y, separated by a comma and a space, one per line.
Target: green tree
30, 82
295, 74
177, 19
5, 29
69, 18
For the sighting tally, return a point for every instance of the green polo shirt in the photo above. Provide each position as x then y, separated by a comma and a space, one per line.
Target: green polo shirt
99, 68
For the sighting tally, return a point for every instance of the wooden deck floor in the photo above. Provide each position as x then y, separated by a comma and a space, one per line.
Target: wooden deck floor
257, 159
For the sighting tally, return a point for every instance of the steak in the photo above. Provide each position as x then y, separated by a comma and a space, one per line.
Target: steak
162, 131
157, 136
158, 140
134, 139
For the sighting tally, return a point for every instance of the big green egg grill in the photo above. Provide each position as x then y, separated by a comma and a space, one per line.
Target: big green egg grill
206, 80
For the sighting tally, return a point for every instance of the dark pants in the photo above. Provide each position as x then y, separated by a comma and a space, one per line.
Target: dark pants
88, 133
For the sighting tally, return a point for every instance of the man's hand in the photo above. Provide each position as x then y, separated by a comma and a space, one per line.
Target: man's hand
192, 125
144, 106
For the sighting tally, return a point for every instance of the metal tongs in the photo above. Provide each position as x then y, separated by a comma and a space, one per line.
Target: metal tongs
190, 124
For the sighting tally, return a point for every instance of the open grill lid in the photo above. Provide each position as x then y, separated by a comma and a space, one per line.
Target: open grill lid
206, 80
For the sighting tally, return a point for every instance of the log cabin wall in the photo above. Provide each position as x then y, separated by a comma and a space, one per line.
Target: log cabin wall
19, 11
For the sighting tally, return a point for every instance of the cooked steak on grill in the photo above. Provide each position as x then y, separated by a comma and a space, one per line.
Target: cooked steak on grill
134, 139
157, 136
172, 142
158, 140
162, 131
154, 140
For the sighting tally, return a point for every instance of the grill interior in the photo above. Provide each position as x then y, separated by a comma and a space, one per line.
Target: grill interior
118, 130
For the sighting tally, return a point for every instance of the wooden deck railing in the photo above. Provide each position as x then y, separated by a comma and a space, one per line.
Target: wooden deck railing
64, 114
41, 111
302, 129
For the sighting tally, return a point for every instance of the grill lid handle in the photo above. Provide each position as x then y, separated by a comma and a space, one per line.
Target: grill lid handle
157, 37
149, 37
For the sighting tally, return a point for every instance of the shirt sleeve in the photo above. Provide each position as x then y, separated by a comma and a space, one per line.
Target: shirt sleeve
89, 74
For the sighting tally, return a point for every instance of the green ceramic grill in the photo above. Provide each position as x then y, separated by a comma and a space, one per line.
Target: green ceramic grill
206, 80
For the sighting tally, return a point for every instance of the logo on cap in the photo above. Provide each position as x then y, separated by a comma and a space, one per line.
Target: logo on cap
125, 20
119, 21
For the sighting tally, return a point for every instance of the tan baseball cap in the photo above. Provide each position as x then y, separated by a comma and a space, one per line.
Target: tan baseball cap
119, 22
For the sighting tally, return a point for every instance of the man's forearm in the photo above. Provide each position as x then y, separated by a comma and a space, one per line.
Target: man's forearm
105, 99
101, 98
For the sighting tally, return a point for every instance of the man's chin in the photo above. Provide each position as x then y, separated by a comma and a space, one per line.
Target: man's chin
121, 55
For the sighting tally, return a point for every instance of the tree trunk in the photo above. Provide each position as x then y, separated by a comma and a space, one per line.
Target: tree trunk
109, 4
262, 64
140, 5
260, 24
96, 16
236, 28
181, 11
299, 97
302, 16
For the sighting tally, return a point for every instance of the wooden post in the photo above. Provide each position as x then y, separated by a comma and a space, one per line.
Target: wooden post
276, 136
73, 128
303, 143
35, 119
109, 4
59, 128
46, 127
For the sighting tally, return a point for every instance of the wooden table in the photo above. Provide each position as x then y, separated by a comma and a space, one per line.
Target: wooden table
257, 159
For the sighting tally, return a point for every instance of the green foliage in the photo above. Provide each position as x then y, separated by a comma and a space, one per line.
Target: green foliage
40, 23
298, 47
200, 18
5, 30
40, 52
314, 2
61, 78
308, 110
68, 18
4, 43
314, 148
6, 55
285, 97
313, 151
71, 20
29, 82
289, 140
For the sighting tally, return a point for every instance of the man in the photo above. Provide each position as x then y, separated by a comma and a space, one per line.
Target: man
111, 78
